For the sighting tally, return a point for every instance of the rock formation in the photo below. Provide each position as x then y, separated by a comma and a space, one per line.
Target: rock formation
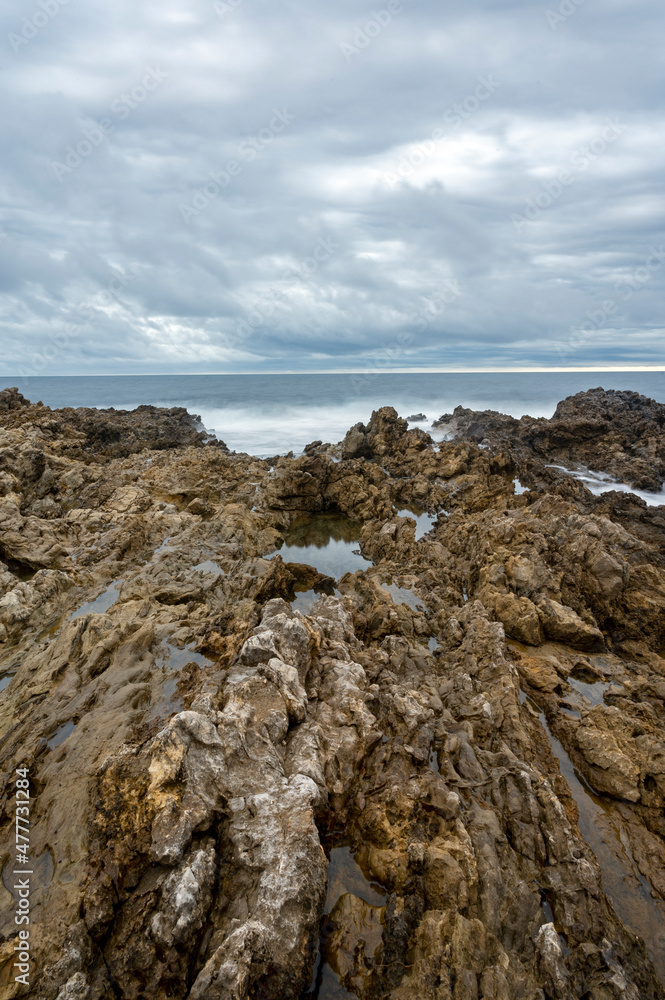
618, 432
473, 724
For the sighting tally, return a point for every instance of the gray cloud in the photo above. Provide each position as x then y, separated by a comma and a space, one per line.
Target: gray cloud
233, 186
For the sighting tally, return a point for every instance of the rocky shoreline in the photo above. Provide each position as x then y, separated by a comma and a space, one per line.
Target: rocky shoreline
439, 776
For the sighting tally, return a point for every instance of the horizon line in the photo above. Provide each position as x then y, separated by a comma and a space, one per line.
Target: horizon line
357, 371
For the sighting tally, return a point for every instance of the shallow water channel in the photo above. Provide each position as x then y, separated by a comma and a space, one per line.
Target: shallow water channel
170, 660
61, 734
351, 930
101, 603
603, 827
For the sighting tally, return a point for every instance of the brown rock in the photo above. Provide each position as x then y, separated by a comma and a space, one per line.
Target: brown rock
520, 618
197, 748
562, 624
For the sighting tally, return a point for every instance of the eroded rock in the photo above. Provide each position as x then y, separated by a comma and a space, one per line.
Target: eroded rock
197, 747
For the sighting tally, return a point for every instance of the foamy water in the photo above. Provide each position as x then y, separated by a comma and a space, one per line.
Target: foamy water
273, 414
600, 482
268, 431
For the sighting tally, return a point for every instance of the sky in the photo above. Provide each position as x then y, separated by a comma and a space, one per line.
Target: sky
240, 185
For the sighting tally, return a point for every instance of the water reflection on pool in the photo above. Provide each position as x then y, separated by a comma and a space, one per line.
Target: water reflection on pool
351, 930
306, 599
592, 692
424, 521
170, 660
101, 603
403, 595
329, 542
61, 734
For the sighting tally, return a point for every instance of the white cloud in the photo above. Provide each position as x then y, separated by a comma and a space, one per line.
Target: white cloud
329, 175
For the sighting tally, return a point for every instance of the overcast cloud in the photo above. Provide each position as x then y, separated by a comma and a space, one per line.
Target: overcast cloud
238, 185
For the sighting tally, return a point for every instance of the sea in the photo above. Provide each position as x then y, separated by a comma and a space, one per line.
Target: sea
266, 415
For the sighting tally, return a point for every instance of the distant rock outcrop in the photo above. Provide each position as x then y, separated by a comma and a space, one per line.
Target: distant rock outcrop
614, 431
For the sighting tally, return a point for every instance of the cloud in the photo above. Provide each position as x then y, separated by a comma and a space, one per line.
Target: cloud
208, 152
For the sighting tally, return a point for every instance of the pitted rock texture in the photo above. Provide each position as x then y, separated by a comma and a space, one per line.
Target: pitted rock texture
197, 747
615, 431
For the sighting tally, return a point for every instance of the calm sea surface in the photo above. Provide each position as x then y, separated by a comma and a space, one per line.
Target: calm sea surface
272, 414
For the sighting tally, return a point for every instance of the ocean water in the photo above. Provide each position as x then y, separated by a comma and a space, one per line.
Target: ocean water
600, 482
267, 415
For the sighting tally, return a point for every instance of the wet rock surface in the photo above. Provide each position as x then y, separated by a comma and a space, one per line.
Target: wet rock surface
443, 779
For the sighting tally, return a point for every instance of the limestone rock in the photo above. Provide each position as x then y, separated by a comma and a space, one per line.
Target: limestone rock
241, 766
562, 624
520, 618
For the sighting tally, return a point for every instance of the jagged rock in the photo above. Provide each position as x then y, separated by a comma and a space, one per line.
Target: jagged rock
562, 625
520, 618
12, 399
202, 755
386, 434
612, 431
